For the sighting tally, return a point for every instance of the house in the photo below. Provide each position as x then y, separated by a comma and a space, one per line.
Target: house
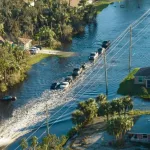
2, 41
142, 77
25, 43
140, 132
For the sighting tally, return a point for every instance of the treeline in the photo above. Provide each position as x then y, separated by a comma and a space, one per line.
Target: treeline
13, 66
49, 21
49, 142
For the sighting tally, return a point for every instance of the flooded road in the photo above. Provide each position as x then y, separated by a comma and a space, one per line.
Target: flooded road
33, 94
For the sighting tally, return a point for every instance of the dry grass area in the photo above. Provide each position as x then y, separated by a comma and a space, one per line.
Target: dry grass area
73, 3
85, 137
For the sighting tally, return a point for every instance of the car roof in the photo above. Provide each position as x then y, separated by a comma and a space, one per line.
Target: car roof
64, 82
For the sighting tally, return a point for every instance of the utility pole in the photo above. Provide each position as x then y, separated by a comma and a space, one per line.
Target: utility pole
130, 49
105, 66
47, 116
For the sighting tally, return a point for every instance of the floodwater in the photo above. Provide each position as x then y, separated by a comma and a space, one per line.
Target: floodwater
33, 94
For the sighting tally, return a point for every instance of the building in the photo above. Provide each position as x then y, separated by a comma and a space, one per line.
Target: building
25, 43
140, 132
142, 77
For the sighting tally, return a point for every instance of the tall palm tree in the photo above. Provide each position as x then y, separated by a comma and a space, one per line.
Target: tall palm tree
34, 142
101, 98
119, 125
127, 103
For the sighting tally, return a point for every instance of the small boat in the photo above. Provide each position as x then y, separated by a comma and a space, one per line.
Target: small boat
8, 98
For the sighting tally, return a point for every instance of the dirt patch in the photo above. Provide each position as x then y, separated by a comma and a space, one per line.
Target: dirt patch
89, 134
73, 3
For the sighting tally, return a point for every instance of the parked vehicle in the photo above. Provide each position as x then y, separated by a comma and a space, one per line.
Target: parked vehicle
64, 85
77, 71
39, 46
93, 56
34, 50
105, 44
55, 86
69, 79
8, 98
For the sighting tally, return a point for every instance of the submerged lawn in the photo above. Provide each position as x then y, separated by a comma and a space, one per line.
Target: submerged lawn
36, 58
101, 4
127, 87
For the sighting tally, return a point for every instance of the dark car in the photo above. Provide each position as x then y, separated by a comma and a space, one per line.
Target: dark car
69, 79
55, 86
99, 50
76, 71
106, 44
8, 98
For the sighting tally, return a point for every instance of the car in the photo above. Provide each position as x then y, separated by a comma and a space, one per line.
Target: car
93, 56
77, 71
69, 79
34, 50
64, 85
105, 44
55, 86
39, 46
8, 98
101, 51
83, 66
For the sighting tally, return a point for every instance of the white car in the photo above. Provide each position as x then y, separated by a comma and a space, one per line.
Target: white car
34, 50
64, 85
93, 56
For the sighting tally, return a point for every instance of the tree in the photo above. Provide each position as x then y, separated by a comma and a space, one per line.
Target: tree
101, 98
78, 117
127, 104
117, 106
118, 126
85, 112
34, 142
104, 109
24, 144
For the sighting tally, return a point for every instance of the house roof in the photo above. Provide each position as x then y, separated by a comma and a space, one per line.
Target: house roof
24, 40
143, 72
142, 125
1, 39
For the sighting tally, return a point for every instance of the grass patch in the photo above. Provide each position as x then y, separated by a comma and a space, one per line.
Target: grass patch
136, 112
36, 58
101, 4
127, 87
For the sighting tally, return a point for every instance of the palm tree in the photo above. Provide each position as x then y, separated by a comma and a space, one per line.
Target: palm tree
24, 144
34, 142
127, 103
119, 125
101, 98
117, 106
104, 109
